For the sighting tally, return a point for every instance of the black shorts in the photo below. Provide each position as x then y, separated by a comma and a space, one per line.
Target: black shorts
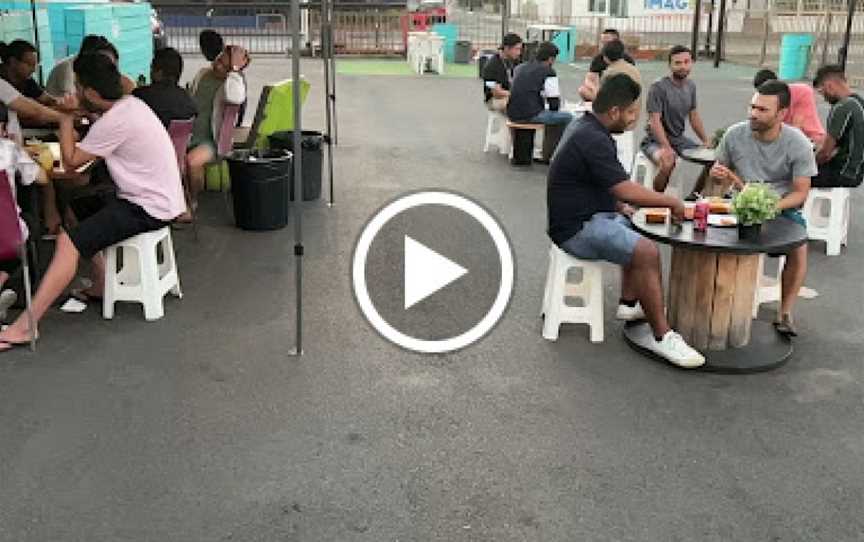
10, 266
115, 221
830, 177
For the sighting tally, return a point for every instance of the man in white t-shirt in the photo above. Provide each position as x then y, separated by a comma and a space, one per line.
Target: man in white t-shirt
141, 159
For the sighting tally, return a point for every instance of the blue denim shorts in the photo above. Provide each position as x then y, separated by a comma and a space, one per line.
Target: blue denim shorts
607, 236
795, 216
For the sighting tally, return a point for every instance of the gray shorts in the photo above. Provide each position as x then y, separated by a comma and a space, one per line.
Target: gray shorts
649, 146
607, 236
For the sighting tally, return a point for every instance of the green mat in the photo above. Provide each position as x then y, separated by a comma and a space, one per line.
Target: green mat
396, 66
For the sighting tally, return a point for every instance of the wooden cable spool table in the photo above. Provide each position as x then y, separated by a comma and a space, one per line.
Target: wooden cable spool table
712, 284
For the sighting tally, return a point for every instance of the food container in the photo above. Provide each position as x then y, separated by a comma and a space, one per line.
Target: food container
689, 207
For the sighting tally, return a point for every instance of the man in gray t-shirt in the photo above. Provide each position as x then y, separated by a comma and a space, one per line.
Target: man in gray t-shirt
671, 103
765, 149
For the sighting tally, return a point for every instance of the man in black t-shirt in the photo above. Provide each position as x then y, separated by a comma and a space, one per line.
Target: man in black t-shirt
586, 197
164, 96
599, 64
20, 60
841, 158
532, 83
498, 73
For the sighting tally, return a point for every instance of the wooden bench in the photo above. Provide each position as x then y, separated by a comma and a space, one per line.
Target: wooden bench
522, 137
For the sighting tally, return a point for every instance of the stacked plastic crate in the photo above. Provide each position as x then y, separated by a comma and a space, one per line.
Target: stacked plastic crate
133, 37
18, 25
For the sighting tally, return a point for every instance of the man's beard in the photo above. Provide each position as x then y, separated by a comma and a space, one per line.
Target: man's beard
680, 75
832, 99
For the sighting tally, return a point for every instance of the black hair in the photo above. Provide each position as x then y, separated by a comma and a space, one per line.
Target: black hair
546, 50
762, 76
107, 47
211, 44
511, 40
773, 87
677, 50
96, 71
611, 31
617, 90
169, 63
614, 50
828, 71
4, 113
16, 49
91, 43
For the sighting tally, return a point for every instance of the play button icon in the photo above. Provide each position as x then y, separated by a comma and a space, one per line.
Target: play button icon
433, 271
426, 272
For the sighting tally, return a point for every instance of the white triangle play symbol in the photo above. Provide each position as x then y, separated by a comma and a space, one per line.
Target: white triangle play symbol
426, 272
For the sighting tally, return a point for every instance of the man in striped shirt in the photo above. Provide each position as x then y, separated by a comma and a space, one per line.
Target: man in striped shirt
841, 158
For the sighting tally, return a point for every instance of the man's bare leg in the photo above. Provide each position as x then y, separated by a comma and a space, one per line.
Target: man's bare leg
642, 280
699, 187
51, 214
59, 274
664, 159
792, 280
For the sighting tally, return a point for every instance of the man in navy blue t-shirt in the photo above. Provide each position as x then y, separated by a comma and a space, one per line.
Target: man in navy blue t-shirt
587, 194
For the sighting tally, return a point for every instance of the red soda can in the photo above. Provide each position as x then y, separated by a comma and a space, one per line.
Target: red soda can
700, 215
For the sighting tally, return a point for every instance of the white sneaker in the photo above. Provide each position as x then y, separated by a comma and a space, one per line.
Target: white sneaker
673, 348
630, 314
7, 299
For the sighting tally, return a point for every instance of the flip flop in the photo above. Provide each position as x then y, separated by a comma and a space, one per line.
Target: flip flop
6, 345
81, 295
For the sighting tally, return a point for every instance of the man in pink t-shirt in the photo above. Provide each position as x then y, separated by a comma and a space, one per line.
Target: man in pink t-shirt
802, 113
141, 159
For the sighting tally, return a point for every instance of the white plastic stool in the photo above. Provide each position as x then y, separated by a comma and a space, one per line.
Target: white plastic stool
497, 133
624, 143
834, 229
643, 164
556, 312
768, 288
141, 277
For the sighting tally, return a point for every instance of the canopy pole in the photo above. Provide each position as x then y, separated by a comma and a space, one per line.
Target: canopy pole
327, 54
721, 30
297, 160
36, 41
844, 51
694, 38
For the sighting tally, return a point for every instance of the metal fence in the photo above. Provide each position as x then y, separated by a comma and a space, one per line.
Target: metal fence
753, 36
260, 28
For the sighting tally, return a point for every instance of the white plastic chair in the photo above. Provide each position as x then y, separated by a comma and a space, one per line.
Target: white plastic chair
768, 287
643, 171
141, 278
497, 133
625, 143
590, 289
833, 229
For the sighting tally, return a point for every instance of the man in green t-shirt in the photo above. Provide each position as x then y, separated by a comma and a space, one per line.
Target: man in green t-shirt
841, 158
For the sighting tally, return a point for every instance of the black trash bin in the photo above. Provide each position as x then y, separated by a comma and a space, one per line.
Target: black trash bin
482, 59
260, 181
313, 155
462, 52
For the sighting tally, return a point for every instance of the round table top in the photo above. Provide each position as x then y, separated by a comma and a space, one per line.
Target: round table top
778, 236
699, 155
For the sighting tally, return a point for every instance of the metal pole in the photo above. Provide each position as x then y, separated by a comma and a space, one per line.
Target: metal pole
765, 28
721, 28
697, 16
505, 16
298, 171
827, 42
844, 51
710, 29
36, 40
327, 53
332, 58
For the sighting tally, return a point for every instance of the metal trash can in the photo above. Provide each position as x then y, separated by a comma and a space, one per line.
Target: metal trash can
259, 187
313, 155
462, 54
482, 59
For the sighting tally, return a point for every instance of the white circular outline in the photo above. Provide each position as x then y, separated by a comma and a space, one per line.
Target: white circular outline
381, 218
